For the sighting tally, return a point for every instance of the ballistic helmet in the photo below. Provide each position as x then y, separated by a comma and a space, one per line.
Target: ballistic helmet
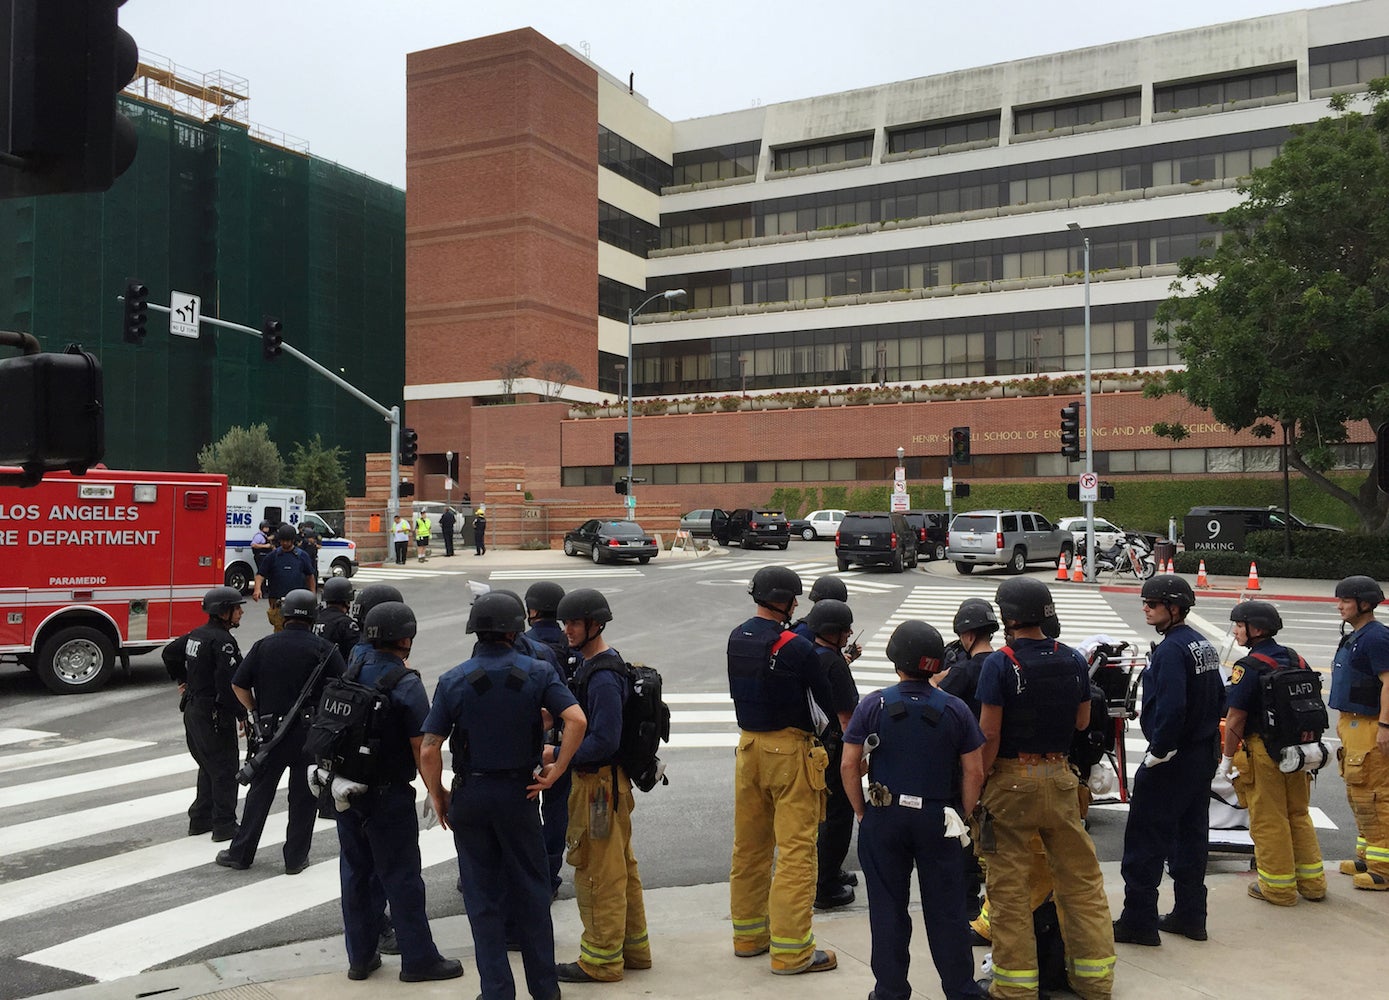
774, 583
299, 605
338, 590
220, 600
975, 615
916, 649
264, 525
286, 533
829, 615
497, 611
389, 621
1169, 589
1025, 601
1260, 614
584, 604
829, 587
1051, 627
1361, 588
543, 598
370, 596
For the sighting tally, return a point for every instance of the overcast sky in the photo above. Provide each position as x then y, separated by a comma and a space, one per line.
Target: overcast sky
332, 72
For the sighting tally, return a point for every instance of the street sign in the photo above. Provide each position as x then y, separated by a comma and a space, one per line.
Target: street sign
947, 483
900, 502
448, 484
184, 313
631, 502
1089, 487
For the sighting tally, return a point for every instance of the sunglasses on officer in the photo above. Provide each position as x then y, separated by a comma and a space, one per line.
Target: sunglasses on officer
1148, 602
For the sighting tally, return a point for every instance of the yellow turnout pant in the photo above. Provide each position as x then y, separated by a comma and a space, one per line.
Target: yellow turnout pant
606, 880
1366, 772
1286, 852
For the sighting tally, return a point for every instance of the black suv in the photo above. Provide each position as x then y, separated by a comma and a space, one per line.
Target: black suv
1263, 518
750, 527
871, 538
932, 532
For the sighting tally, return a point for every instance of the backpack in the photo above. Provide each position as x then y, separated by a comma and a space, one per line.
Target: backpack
645, 723
345, 735
1294, 713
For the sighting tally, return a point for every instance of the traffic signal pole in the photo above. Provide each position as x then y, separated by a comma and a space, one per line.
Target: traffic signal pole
392, 414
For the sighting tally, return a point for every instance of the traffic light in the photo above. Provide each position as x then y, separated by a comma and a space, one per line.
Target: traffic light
1070, 431
959, 446
137, 311
67, 61
271, 337
620, 486
622, 448
409, 446
406, 489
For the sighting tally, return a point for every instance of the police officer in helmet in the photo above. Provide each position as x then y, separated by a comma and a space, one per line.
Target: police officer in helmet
829, 588
488, 709
379, 833
779, 779
974, 626
334, 622
270, 681
369, 597
202, 663
1183, 701
1358, 694
921, 738
542, 607
284, 569
1034, 694
831, 623
1285, 842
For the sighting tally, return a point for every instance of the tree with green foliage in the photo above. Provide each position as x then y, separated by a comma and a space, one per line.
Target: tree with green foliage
1283, 326
318, 470
246, 456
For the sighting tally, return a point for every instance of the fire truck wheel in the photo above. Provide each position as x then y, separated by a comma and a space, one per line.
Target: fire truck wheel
238, 577
76, 660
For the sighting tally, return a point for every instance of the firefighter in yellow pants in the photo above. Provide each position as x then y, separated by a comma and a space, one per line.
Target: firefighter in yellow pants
779, 780
1030, 792
1358, 693
606, 880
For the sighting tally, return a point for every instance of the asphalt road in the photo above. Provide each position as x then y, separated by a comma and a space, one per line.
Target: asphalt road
672, 615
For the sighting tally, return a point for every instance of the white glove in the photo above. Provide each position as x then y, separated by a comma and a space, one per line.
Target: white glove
318, 779
956, 827
425, 813
1227, 769
343, 790
1151, 759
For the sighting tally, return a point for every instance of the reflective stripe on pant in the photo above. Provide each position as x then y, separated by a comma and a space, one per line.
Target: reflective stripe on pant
1366, 772
1026, 801
775, 808
1286, 851
606, 880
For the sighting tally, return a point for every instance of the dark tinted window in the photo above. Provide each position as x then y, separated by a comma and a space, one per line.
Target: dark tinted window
1010, 522
967, 523
624, 529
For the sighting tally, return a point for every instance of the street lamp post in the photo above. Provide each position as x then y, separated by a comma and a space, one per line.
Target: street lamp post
674, 293
1089, 420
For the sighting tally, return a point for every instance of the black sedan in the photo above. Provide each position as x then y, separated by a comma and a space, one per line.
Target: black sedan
606, 541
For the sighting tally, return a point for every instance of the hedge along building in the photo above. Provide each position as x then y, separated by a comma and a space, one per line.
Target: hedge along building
255, 226
907, 238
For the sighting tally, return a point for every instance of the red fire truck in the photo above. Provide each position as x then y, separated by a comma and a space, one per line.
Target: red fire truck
96, 568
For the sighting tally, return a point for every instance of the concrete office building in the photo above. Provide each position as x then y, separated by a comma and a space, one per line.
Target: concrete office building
905, 243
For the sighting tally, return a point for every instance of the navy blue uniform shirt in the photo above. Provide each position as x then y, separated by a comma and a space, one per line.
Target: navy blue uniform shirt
602, 694
1183, 694
1039, 698
285, 571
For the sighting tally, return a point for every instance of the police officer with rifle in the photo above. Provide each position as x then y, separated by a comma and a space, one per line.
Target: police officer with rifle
334, 621
279, 683
202, 664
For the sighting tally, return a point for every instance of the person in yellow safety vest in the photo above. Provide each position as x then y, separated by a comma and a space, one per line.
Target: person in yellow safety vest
1287, 855
1030, 790
1359, 694
422, 526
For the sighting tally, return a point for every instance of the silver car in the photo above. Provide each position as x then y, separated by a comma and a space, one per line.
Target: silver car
1011, 538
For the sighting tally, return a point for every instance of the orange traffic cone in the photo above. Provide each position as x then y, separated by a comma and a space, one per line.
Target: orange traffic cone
1201, 579
1171, 566
1061, 573
1078, 569
1253, 583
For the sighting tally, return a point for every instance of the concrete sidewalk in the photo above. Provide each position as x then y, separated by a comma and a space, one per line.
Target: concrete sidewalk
1255, 949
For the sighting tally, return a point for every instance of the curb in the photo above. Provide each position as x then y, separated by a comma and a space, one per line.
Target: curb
1228, 594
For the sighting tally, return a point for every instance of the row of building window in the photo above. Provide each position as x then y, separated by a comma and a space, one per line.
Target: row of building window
818, 154
1145, 462
1041, 255
717, 163
1089, 111
1349, 64
627, 231
934, 135
1123, 337
1209, 93
1189, 162
626, 159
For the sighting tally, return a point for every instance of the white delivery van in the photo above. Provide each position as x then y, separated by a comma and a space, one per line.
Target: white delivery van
247, 506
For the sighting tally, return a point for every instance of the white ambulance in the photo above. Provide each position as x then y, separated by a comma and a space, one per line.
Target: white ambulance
248, 506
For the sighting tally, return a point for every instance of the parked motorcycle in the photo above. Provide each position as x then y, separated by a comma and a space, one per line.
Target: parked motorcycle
1133, 556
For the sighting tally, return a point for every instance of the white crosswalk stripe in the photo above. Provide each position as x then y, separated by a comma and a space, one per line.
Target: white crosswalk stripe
410, 571
581, 573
